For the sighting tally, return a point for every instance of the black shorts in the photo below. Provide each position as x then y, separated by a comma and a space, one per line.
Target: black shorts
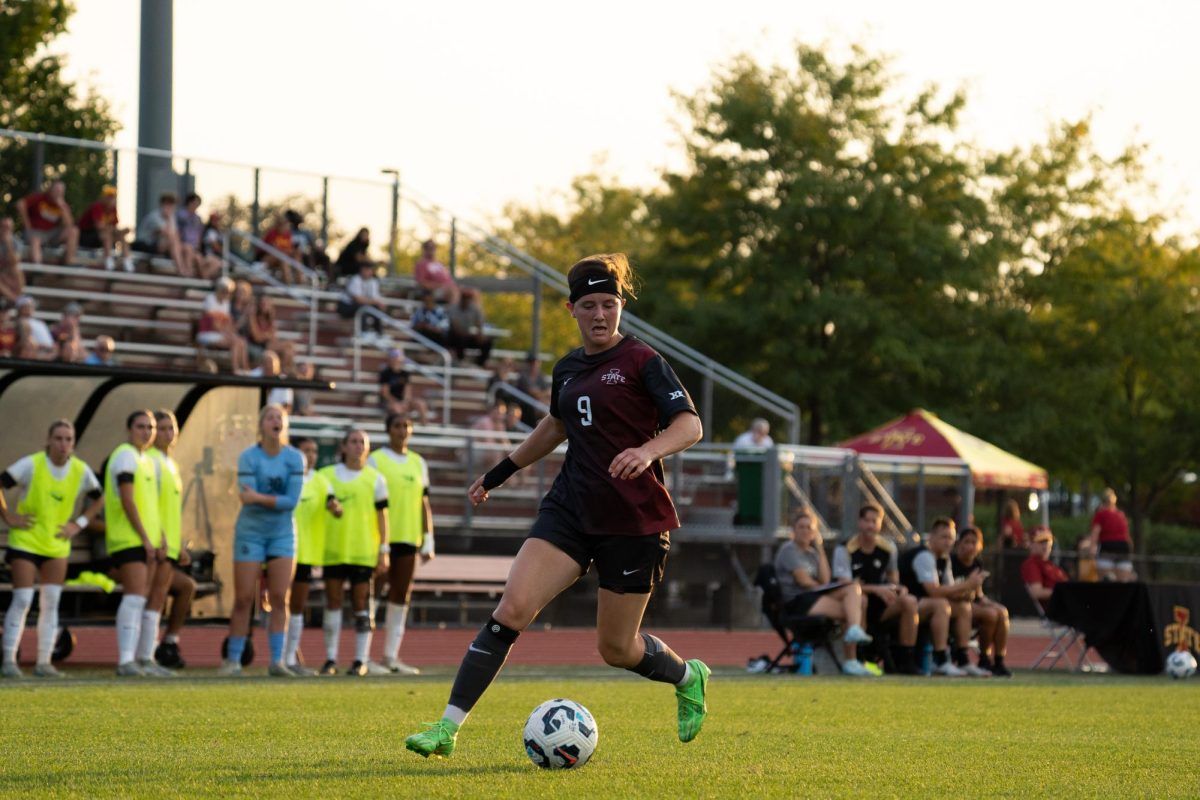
625, 564
353, 573
876, 608
129, 555
14, 554
303, 573
799, 605
1117, 548
403, 550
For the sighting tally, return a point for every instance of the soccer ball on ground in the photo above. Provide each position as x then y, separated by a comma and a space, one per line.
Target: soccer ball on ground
560, 734
1181, 664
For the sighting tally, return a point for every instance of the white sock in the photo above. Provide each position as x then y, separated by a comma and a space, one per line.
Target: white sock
14, 621
171, 638
148, 637
455, 715
362, 638
687, 674
333, 632
47, 626
294, 629
129, 626
397, 617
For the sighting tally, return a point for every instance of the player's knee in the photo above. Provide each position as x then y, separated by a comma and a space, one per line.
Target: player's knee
617, 653
512, 613
941, 607
278, 599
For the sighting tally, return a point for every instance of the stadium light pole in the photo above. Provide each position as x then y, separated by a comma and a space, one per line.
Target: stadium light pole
155, 79
392, 243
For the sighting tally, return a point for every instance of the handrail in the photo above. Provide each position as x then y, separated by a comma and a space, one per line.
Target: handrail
517, 394
447, 362
882, 496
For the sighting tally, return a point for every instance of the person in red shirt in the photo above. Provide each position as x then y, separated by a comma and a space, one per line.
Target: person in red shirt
1109, 539
98, 229
432, 275
280, 238
1012, 532
46, 217
1041, 574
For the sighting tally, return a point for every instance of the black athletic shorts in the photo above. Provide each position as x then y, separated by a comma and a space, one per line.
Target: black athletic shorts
403, 549
90, 238
1116, 548
303, 573
799, 605
353, 573
129, 555
14, 554
876, 608
625, 564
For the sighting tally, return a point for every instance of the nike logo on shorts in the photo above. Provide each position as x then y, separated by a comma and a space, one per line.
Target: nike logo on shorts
475, 649
630, 571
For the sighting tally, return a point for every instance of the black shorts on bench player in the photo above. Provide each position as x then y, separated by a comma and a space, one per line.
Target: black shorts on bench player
622, 410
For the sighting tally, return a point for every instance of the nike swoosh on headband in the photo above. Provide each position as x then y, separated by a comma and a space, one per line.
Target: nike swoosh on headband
593, 283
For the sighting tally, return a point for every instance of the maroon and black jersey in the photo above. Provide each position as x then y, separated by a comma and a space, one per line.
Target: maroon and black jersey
608, 403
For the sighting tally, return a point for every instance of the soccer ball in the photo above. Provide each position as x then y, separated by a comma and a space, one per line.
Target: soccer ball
560, 734
1181, 664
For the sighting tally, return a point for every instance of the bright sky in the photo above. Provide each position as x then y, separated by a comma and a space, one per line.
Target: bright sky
481, 103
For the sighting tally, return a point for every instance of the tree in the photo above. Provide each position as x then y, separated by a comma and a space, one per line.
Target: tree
34, 96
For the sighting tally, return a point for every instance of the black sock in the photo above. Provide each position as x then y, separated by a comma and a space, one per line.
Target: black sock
999, 662
940, 657
482, 663
660, 662
960, 656
984, 661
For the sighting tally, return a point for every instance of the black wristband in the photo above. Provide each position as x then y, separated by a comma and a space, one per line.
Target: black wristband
499, 474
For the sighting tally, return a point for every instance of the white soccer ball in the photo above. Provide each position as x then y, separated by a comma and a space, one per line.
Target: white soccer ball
1181, 664
560, 734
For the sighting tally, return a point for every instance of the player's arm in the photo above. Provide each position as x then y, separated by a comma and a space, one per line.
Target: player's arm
72, 527
7, 481
683, 432
549, 434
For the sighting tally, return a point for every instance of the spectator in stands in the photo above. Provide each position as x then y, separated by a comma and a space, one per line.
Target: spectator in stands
872, 563
354, 255
361, 291
532, 382
1012, 532
46, 219
512, 420
12, 280
759, 436
67, 336
431, 320
191, 238
1109, 539
493, 433
280, 238
1041, 574
262, 331
102, 352
433, 276
990, 617
216, 328
306, 246
98, 230
212, 238
281, 396
241, 304
291, 368
466, 327
34, 339
395, 393
158, 235
925, 572
802, 569
8, 333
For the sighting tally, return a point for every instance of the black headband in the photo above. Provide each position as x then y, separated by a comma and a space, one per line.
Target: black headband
593, 279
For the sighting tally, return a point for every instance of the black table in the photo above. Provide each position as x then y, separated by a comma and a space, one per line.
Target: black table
1131, 625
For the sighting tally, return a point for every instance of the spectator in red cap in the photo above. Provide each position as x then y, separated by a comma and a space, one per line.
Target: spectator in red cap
46, 218
98, 229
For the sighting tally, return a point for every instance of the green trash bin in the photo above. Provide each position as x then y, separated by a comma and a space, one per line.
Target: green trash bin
749, 491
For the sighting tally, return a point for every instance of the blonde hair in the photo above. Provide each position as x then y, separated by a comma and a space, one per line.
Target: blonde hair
1109, 496
617, 265
262, 415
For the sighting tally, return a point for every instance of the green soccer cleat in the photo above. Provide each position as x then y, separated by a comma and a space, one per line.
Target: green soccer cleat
437, 741
690, 697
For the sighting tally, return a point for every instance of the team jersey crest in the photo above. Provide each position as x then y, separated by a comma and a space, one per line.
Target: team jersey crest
613, 376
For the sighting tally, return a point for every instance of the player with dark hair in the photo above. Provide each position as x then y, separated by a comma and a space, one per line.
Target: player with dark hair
622, 410
310, 548
52, 482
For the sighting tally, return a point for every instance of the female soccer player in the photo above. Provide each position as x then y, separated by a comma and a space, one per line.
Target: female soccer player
133, 535
170, 513
621, 409
310, 548
39, 538
356, 549
410, 527
270, 476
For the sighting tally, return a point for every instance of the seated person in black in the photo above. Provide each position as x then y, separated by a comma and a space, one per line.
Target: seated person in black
988, 616
871, 563
395, 394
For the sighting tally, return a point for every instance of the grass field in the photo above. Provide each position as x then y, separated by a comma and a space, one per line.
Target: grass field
782, 736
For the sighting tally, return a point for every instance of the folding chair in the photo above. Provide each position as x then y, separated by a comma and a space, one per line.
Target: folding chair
795, 631
1062, 639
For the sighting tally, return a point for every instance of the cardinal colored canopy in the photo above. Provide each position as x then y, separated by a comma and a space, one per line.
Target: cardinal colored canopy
922, 434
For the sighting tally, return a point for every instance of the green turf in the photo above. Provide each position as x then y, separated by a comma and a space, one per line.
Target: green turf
781, 736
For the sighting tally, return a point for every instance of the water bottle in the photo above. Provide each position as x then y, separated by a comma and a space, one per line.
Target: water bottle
926, 665
804, 664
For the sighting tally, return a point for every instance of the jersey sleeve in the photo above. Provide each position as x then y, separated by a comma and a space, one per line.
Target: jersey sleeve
295, 483
246, 467
893, 561
424, 473
381, 493
91, 484
21, 472
124, 464
841, 564
666, 389
555, 384
925, 567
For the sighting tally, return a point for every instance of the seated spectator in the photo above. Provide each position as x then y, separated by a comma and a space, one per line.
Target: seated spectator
241, 305
34, 340
158, 235
261, 331
12, 280
1012, 532
494, 434
433, 276
212, 238
98, 229
67, 336
801, 567
512, 420
8, 333
269, 368
304, 244
1041, 574
216, 328
431, 320
758, 436
871, 562
289, 367
1109, 540
395, 393
280, 238
191, 235
990, 617
46, 220
532, 382
925, 572
102, 352
466, 327
354, 255
362, 290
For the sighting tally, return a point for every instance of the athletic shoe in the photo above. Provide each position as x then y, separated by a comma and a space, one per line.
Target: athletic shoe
11, 670
1001, 671
377, 669
328, 668
949, 670
279, 670
130, 669
856, 668
110, 263
358, 669
46, 671
398, 667
976, 672
229, 669
438, 740
690, 700
127, 263
856, 635
153, 670
301, 671
167, 654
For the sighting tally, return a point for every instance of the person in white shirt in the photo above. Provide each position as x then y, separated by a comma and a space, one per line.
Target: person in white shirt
759, 436
363, 290
43, 345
